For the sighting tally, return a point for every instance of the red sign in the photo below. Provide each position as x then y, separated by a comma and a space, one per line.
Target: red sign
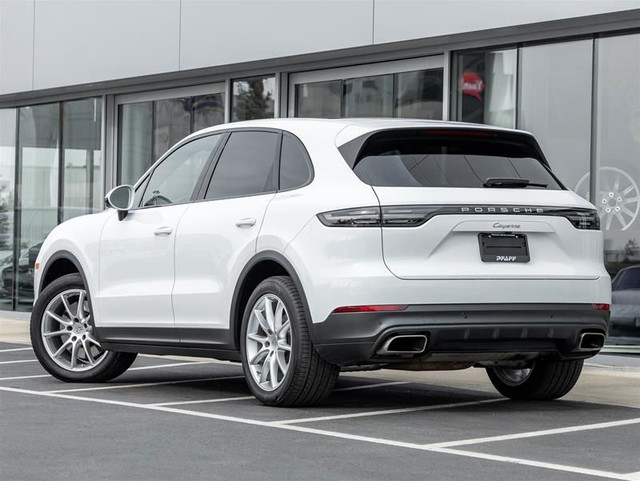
472, 84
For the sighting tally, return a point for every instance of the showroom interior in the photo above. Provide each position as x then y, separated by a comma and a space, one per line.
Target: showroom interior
573, 82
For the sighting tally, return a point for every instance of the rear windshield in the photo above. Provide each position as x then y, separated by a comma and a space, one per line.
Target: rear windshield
453, 158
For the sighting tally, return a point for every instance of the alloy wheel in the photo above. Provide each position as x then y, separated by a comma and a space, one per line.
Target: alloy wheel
512, 377
67, 332
268, 342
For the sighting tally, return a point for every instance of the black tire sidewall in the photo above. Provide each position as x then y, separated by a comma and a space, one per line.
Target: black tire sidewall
276, 287
71, 281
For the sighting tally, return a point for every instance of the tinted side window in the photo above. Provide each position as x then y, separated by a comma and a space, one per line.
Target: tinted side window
246, 166
295, 169
173, 181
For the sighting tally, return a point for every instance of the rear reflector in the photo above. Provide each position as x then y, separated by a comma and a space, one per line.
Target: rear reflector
602, 307
385, 308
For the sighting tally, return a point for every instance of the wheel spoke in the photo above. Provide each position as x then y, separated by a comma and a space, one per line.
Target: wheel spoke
282, 362
55, 333
87, 352
630, 200
93, 340
59, 319
257, 338
80, 308
284, 330
620, 219
260, 355
626, 211
261, 320
273, 370
74, 354
268, 312
67, 307
283, 346
608, 222
265, 370
278, 316
628, 189
63, 348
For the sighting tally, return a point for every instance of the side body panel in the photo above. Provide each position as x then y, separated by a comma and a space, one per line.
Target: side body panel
215, 240
137, 268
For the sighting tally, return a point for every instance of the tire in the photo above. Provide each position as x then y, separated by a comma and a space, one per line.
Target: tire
300, 376
57, 314
545, 380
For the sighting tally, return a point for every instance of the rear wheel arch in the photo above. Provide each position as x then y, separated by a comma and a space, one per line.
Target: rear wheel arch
262, 266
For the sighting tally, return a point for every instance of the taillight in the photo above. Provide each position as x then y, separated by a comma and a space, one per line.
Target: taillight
381, 308
602, 307
582, 219
360, 217
416, 215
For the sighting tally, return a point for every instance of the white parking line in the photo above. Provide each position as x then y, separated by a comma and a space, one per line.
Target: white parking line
142, 384
535, 464
16, 378
203, 401
370, 386
18, 362
387, 411
533, 434
16, 349
633, 476
160, 366
335, 434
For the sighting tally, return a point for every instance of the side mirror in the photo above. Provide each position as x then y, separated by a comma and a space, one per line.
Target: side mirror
121, 199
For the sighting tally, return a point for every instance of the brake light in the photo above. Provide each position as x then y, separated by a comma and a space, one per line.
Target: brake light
602, 307
382, 308
360, 217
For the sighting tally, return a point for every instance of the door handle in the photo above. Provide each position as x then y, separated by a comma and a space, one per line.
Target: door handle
247, 222
163, 231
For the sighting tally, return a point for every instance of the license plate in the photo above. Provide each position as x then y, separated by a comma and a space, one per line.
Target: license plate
498, 247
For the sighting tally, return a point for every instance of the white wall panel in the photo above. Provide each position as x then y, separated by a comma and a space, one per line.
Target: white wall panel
81, 41
16, 45
397, 20
228, 31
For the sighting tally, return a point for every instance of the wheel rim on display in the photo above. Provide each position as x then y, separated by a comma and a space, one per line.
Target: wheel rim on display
617, 199
67, 332
512, 377
268, 342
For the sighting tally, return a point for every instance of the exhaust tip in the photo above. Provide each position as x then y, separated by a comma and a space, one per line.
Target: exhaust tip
591, 341
404, 344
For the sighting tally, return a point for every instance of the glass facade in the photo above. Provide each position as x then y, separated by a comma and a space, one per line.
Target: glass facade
417, 94
253, 98
50, 170
82, 158
319, 99
486, 87
555, 104
146, 130
617, 194
579, 97
7, 198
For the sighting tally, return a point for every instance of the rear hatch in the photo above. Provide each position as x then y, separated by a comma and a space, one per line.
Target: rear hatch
475, 204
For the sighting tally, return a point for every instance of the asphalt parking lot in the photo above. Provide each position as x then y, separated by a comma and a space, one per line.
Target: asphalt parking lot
171, 418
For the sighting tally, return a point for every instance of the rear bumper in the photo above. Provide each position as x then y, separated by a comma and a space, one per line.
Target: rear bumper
469, 332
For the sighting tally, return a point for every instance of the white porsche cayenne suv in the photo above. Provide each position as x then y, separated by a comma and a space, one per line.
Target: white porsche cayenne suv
303, 247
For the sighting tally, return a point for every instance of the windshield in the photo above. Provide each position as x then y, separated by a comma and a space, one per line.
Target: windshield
452, 158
